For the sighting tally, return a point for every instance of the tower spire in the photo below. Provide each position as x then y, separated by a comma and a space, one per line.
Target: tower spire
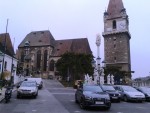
115, 8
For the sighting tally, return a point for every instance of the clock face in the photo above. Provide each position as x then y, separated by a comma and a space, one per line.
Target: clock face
121, 25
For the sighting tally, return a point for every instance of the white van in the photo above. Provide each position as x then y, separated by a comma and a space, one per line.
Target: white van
38, 81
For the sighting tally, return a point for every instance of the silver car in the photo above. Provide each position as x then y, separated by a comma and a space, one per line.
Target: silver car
28, 88
129, 93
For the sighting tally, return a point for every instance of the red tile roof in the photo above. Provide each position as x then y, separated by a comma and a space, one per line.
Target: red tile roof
9, 48
80, 45
39, 38
114, 8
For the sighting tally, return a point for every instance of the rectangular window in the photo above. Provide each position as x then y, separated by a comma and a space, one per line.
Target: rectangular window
5, 65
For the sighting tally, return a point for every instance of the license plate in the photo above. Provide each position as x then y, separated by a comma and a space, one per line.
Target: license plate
114, 97
99, 102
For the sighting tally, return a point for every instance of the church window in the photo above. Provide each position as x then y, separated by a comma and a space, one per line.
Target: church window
114, 24
45, 60
38, 59
22, 56
51, 65
115, 59
114, 45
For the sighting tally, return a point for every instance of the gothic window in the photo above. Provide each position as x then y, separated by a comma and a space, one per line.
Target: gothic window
51, 65
38, 59
45, 60
115, 59
22, 57
114, 24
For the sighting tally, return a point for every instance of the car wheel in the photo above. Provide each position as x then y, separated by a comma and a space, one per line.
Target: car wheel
18, 96
82, 104
107, 108
125, 98
76, 101
118, 100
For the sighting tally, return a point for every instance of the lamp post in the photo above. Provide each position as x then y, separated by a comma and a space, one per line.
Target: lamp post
99, 69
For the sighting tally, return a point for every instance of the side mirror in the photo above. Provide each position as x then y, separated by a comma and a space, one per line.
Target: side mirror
80, 89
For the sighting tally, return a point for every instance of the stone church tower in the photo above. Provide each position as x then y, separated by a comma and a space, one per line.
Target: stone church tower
117, 37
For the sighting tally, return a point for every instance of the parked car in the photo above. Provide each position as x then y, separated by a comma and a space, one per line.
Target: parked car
114, 95
129, 93
145, 91
38, 80
92, 96
27, 88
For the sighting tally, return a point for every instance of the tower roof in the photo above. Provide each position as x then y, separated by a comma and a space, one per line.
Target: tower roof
114, 8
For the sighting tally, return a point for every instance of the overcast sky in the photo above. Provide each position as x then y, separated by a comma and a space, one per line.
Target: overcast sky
67, 19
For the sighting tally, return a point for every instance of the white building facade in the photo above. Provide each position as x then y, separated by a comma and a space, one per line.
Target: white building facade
9, 64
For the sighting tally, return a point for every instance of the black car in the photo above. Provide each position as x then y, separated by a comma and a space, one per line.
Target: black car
145, 91
114, 95
92, 96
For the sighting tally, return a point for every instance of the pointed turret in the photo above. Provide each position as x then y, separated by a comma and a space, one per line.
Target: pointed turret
115, 9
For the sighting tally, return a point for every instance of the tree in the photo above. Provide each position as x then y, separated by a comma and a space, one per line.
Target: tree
75, 65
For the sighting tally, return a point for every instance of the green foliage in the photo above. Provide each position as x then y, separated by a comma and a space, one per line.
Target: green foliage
74, 65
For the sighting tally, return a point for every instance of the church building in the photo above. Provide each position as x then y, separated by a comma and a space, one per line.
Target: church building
39, 51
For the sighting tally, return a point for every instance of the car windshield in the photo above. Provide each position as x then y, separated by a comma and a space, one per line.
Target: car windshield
145, 89
108, 88
92, 88
129, 88
28, 84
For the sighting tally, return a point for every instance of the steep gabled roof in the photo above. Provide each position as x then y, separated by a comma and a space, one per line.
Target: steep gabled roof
114, 8
80, 45
38, 38
5, 38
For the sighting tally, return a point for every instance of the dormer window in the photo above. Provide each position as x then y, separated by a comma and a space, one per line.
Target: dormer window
114, 24
42, 32
40, 40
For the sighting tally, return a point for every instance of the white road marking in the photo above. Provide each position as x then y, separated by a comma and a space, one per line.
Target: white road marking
141, 107
77, 111
34, 110
72, 100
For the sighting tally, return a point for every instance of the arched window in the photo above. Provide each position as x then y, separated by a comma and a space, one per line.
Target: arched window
114, 24
51, 65
22, 56
38, 59
45, 60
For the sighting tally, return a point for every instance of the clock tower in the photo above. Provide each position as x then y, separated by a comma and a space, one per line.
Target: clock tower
117, 39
